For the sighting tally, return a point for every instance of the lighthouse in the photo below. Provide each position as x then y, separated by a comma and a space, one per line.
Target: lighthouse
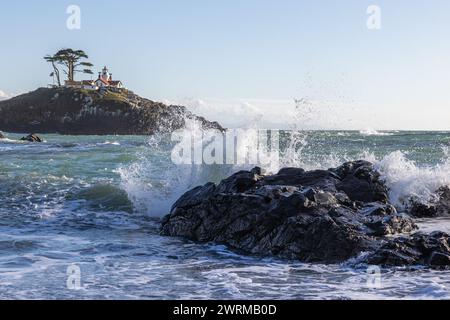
104, 81
105, 75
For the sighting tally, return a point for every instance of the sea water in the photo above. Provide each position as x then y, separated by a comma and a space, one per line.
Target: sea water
93, 204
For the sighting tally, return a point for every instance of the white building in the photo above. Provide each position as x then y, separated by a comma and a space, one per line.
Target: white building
84, 84
104, 81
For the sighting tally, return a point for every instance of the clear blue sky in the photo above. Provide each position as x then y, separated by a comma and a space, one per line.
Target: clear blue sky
246, 49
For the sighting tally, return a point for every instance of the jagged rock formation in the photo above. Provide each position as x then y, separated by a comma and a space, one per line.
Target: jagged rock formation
437, 206
324, 216
84, 112
419, 249
32, 138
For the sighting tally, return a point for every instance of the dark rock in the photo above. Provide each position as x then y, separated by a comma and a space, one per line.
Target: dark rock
32, 138
438, 206
361, 182
240, 182
321, 179
291, 172
390, 225
315, 216
419, 249
439, 259
2, 136
422, 210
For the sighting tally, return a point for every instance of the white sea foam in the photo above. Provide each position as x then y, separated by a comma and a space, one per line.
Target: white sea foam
113, 143
406, 179
7, 140
372, 132
154, 183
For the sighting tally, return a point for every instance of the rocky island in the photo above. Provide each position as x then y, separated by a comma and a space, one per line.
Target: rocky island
321, 216
89, 107
78, 111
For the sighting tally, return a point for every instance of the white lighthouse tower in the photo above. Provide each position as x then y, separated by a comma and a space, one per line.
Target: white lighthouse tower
105, 80
105, 75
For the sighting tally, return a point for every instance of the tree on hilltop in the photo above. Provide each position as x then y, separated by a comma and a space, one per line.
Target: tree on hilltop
72, 61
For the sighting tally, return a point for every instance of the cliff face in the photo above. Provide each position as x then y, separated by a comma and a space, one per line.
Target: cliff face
83, 112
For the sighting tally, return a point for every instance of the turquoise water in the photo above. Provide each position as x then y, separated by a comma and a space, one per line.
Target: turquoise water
95, 203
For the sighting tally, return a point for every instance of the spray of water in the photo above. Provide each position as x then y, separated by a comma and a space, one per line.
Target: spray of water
154, 182
407, 180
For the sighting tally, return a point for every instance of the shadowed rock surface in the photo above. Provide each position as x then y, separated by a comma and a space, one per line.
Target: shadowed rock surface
2, 136
83, 112
324, 216
419, 249
32, 138
438, 206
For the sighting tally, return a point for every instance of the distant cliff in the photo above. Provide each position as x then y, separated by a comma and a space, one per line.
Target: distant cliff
84, 112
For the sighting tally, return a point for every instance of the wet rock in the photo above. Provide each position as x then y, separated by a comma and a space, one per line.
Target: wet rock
324, 216
361, 182
240, 182
32, 138
2, 136
438, 206
439, 259
419, 249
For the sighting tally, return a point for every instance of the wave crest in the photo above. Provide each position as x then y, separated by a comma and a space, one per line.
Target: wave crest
154, 183
406, 180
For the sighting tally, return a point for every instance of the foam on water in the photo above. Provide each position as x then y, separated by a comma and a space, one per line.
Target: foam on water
372, 132
405, 179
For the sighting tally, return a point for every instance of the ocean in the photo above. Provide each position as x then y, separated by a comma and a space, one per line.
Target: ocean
88, 208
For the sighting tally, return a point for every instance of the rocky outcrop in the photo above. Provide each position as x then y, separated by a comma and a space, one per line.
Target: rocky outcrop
2, 136
83, 112
324, 216
437, 206
32, 138
419, 249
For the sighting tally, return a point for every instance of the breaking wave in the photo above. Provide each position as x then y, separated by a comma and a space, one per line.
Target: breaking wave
154, 183
406, 179
372, 132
